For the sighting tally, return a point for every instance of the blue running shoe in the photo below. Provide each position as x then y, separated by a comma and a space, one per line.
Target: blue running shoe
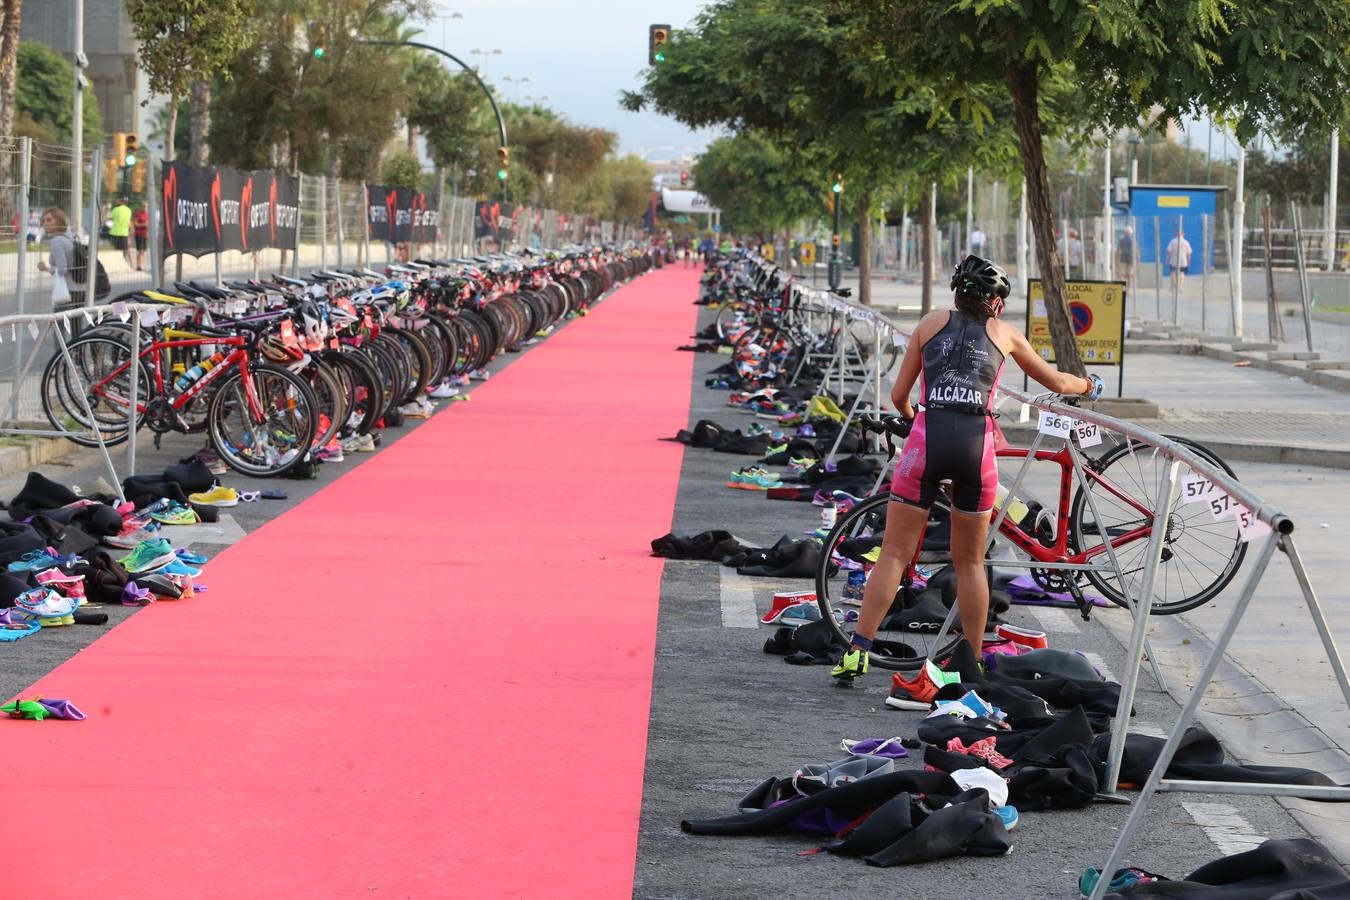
36, 560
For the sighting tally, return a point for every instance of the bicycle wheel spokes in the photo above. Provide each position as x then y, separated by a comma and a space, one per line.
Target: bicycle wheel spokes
266, 433
1200, 555
909, 633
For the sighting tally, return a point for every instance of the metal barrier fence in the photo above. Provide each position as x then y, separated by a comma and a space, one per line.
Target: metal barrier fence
332, 234
1262, 522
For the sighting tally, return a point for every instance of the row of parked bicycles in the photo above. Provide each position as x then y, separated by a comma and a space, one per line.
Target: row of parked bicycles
272, 370
1063, 540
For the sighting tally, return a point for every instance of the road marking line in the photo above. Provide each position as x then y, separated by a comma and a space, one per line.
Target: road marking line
738, 600
1056, 621
1222, 823
1147, 728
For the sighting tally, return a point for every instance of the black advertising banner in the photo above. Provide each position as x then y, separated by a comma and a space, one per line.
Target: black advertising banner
190, 218
380, 205
400, 215
214, 208
495, 218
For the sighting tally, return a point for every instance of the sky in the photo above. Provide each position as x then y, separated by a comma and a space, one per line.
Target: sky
578, 54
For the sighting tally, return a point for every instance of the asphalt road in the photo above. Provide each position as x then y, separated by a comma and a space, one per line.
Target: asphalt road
726, 716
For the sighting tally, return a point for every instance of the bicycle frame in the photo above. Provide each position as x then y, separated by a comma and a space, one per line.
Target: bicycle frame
237, 357
1059, 553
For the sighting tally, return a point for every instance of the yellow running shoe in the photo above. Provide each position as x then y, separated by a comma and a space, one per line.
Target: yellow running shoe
217, 496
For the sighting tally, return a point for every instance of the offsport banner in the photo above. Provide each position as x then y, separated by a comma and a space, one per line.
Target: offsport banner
208, 209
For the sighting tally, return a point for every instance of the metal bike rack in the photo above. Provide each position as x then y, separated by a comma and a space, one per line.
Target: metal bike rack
1140, 603
58, 325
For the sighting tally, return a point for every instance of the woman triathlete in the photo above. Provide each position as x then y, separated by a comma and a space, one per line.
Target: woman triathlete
957, 357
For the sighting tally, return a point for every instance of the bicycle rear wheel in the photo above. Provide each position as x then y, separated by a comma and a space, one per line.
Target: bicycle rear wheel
273, 441
1200, 555
850, 551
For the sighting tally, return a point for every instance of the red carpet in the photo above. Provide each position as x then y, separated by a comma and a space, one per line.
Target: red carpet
431, 679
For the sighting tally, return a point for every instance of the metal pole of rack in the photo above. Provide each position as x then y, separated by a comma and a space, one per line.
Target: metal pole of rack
133, 391
1319, 618
1076, 457
1187, 712
1167, 494
82, 395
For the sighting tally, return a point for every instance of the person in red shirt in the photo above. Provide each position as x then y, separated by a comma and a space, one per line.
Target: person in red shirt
140, 228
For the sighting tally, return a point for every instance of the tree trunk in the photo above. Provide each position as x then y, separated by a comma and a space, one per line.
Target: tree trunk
926, 256
865, 248
1022, 82
169, 154
9, 60
201, 122
412, 139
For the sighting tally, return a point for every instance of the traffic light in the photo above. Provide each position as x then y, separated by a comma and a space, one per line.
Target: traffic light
838, 186
129, 147
684, 179
138, 178
320, 52
119, 148
657, 38
503, 162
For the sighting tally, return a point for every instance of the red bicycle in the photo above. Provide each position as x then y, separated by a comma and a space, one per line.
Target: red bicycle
261, 417
1200, 555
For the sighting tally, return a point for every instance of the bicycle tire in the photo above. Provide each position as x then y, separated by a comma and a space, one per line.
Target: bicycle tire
1107, 582
868, 516
366, 396
329, 394
296, 406
94, 358
419, 359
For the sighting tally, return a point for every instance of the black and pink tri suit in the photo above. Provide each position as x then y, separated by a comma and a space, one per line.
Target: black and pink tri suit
953, 434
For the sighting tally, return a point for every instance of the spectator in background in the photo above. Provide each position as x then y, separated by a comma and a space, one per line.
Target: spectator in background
119, 228
1071, 251
1125, 258
977, 241
34, 226
60, 257
140, 229
1179, 258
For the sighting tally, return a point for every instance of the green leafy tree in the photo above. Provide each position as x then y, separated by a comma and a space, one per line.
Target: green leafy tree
786, 70
289, 107
1254, 64
445, 108
759, 187
179, 41
45, 97
401, 169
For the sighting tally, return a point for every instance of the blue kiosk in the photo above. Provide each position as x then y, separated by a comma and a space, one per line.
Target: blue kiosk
1162, 205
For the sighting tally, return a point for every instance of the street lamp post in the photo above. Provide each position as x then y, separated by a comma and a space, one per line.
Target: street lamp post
836, 266
501, 123
485, 54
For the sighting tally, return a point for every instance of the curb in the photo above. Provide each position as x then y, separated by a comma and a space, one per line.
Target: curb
1247, 451
1254, 724
1322, 373
33, 451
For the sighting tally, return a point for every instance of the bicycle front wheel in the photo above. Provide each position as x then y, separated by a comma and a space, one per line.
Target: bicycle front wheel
263, 428
845, 564
1200, 555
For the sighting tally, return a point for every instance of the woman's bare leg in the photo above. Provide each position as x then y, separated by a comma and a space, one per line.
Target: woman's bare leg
904, 528
969, 540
